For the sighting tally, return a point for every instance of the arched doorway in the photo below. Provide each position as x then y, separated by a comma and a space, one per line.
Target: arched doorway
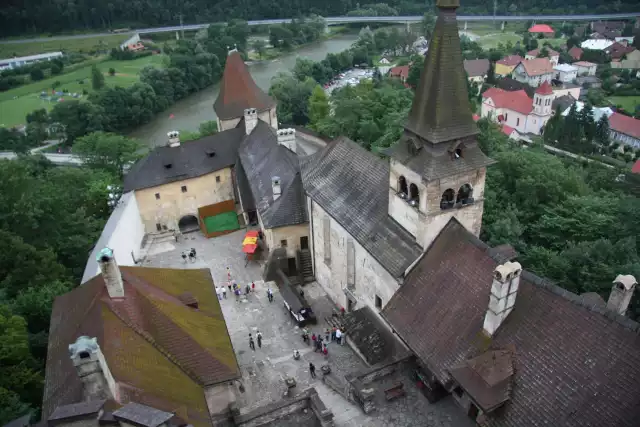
465, 195
188, 223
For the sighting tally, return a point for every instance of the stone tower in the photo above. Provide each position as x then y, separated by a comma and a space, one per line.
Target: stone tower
437, 170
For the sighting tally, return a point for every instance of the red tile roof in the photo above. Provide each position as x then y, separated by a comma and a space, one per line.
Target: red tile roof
511, 60
541, 28
537, 66
401, 71
575, 52
239, 91
636, 167
536, 52
517, 101
507, 130
161, 352
583, 64
545, 89
625, 124
576, 364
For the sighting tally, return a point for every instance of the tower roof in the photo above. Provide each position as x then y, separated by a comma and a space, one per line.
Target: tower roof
238, 91
440, 110
545, 89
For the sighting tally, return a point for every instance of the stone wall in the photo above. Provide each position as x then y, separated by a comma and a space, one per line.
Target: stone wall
173, 204
290, 233
371, 278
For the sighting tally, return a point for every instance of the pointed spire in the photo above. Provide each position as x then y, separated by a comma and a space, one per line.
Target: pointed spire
440, 110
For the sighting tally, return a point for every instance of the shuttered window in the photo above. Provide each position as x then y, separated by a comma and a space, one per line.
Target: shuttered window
326, 231
351, 263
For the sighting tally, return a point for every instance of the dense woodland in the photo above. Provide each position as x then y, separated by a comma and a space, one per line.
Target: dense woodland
18, 17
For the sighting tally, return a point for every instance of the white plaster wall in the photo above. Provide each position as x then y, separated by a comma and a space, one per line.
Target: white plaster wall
228, 124
290, 233
586, 71
625, 139
567, 77
371, 278
535, 123
514, 119
406, 215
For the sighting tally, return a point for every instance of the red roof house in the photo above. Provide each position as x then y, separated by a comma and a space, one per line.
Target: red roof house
575, 52
544, 29
401, 72
517, 100
636, 167
625, 125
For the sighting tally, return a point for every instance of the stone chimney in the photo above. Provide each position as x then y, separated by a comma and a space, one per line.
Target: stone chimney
110, 273
621, 293
174, 138
250, 119
506, 280
275, 185
287, 138
92, 369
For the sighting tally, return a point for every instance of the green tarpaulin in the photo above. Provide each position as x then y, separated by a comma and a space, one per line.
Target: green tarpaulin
222, 222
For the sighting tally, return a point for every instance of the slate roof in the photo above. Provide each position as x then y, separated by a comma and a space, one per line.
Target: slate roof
511, 85
142, 415
351, 185
440, 110
563, 102
517, 101
625, 124
160, 352
537, 66
238, 91
23, 421
189, 160
263, 158
476, 67
576, 364
65, 413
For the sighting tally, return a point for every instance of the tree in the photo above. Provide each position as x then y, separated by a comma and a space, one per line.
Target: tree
208, 128
293, 98
602, 131
107, 151
56, 67
491, 73
112, 71
427, 25
36, 74
415, 70
77, 118
318, 106
97, 78
260, 47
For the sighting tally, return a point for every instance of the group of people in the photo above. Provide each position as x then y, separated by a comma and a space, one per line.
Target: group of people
252, 344
191, 254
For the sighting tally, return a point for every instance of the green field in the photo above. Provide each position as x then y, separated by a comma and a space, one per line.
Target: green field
75, 45
629, 103
489, 41
15, 104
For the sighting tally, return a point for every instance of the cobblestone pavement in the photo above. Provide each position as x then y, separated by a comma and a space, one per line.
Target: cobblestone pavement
264, 369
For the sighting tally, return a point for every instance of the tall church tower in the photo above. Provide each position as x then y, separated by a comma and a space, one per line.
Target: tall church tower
437, 170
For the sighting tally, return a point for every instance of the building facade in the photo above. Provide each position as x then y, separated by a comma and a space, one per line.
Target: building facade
585, 68
534, 72
21, 61
565, 73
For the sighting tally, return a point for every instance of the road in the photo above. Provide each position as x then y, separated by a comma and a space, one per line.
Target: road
336, 20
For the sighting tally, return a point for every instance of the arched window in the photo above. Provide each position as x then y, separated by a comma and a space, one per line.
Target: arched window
457, 153
465, 195
402, 186
414, 195
448, 199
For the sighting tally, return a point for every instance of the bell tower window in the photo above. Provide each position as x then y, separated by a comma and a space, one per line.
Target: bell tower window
414, 196
402, 187
465, 195
448, 199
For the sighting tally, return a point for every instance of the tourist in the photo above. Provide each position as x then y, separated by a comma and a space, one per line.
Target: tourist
229, 285
259, 336
339, 336
253, 287
247, 289
224, 292
191, 257
237, 293
312, 370
270, 295
313, 339
184, 257
219, 293
193, 252
252, 345
318, 344
333, 334
327, 333
325, 350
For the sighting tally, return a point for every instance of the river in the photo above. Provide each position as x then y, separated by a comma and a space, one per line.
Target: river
188, 113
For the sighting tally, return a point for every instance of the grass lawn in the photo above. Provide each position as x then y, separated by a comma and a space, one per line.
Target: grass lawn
629, 103
76, 45
489, 41
15, 104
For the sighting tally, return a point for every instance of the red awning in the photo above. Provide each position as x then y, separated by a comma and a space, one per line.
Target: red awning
249, 249
252, 233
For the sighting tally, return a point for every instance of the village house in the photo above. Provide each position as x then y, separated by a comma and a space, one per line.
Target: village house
596, 44
553, 56
534, 72
625, 130
585, 68
596, 112
145, 335
565, 73
542, 29
477, 69
631, 60
517, 110
401, 72
575, 52
618, 51
505, 66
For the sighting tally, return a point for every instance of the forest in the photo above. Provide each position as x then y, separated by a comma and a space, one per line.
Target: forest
22, 17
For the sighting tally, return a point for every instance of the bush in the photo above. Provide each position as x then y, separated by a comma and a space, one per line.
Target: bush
112, 71
56, 67
36, 74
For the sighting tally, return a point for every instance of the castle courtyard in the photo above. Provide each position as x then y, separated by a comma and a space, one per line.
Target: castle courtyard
264, 370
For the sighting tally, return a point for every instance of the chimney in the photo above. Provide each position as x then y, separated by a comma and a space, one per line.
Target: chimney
506, 280
250, 119
92, 369
110, 273
287, 138
275, 185
621, 293
174, 138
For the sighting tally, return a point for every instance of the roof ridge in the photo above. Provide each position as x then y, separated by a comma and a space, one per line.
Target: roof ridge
547, 284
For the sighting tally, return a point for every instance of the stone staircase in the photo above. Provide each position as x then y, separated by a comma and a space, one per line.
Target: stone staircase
306, 266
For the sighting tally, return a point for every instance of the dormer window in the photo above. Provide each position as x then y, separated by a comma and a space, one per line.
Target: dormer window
210, 153
168, 165
457, 154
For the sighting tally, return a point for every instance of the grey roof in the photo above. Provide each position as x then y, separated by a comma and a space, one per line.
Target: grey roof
142, 415
262, 158
564, 102
476, 67
433, 161
189, 160
76, 410
351, 185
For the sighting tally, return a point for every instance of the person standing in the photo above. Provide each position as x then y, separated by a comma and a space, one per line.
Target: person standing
259, 336
252, 345
224, 292
184, 257
247, 289
191, 256
270, 295
339, 336
218, 293
312, 370
253, 287
193, 251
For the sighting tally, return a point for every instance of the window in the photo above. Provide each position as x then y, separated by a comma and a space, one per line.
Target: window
378, 302
402, 185
517, 121
326, 234
448, 199
159, 227
184, 188
458, 391
457, 153
465, 194
283, 243
217, 178
351, 263
157, 196
505, 117
414, 196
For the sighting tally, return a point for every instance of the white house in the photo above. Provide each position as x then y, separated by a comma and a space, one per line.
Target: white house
625, 129
516, 110
534, 72
596, 44
553, 56
566, 73
21, 61
585, 68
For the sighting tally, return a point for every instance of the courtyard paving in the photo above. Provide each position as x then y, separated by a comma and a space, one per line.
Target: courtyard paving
264, 369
